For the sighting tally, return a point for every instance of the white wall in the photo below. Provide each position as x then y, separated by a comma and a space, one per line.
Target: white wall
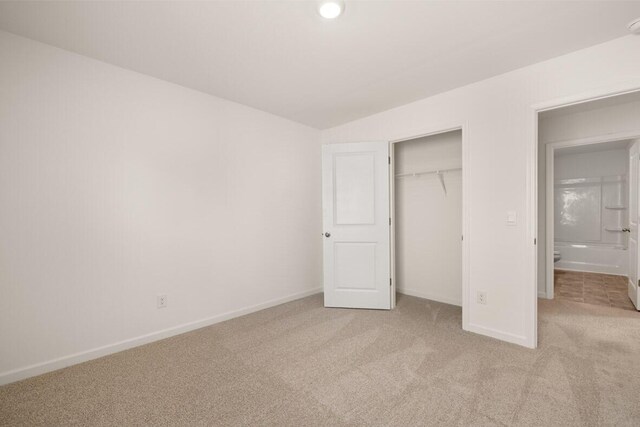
428, 221
499, 127
116, 187
601, 121
604, 120
568, 164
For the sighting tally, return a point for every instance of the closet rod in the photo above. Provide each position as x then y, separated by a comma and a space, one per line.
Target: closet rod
440, 171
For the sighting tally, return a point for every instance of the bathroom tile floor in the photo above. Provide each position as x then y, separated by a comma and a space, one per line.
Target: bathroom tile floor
592, 288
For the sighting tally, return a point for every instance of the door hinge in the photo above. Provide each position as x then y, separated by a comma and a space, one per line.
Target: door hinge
535, 241
461, 237
389, 281
389, 159
389, 221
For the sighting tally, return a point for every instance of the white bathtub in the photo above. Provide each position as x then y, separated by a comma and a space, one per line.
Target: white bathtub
594, 258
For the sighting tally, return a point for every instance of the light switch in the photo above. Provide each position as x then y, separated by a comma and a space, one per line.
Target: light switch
511, 218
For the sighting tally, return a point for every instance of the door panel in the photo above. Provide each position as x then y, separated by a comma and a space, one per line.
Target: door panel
355, 265
356, 249
354, 191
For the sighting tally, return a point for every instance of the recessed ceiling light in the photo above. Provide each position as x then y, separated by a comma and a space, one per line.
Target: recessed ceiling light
331, 9
634, 26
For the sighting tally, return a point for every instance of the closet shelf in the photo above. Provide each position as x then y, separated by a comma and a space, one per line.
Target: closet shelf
431, 172
439, 172
616, 207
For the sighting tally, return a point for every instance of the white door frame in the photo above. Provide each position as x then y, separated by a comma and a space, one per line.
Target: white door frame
431, 131
549, 196
531, 297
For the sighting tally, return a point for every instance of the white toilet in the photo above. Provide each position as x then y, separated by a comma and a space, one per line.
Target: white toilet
556, 256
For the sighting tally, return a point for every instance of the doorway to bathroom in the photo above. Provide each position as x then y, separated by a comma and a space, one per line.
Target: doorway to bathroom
588, 202
428, 216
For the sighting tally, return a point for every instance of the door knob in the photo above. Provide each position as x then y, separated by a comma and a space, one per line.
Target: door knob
327, 234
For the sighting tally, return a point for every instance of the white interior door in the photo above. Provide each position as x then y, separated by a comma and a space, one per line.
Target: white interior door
355, 204
634, 188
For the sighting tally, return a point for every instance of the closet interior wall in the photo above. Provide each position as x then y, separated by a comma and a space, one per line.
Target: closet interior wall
428, 217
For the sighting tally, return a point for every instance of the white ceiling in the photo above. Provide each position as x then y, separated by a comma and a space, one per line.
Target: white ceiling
281, 57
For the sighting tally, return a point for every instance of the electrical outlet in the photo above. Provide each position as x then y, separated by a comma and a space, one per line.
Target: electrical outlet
482, 297
162, 301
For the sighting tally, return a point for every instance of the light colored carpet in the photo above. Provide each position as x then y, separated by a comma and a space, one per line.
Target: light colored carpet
301, 364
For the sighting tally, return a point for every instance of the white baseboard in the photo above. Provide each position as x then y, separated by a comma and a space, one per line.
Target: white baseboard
503, 336
481, 330
432, 297
73, 359
542, 294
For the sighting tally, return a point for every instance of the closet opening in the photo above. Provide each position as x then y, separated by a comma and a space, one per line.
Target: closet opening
427, 215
